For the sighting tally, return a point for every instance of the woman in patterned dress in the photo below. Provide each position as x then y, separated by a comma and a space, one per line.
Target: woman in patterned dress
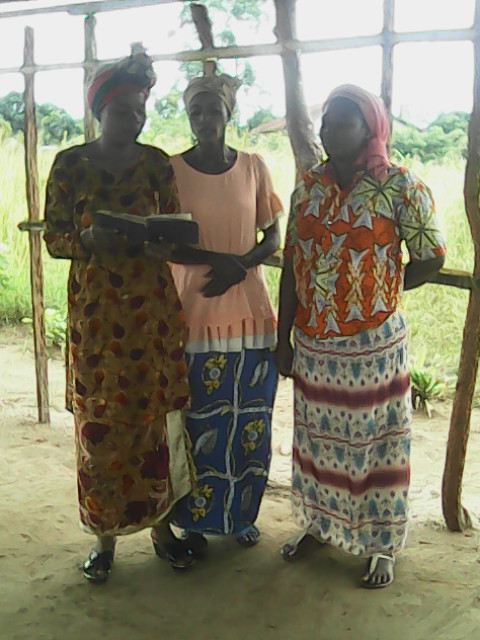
126, 327
231, 324
340, 288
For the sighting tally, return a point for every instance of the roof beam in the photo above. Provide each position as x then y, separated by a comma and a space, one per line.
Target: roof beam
83, 8
249, 51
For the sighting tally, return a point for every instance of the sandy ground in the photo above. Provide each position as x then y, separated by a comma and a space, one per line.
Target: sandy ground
235, 594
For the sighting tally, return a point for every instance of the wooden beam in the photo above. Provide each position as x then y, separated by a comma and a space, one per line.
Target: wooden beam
34, 238
455, 278
387, 55
90, 47
84, 8
250, 51
299, 124
203, 25
455, 514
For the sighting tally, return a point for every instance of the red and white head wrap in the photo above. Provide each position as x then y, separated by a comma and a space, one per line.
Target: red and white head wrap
134, 73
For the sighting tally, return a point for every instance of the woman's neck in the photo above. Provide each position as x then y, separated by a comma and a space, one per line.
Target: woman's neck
215, 151
343, 171
214, 157
114, 156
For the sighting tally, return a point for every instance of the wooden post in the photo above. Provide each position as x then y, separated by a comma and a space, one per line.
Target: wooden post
90, 48
36, 271
387, 54
203, 24
456, 516
299, 124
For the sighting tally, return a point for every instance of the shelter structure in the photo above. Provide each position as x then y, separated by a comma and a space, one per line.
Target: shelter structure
305, 150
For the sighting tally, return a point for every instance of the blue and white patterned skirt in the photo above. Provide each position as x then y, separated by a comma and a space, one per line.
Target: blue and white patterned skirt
229, 424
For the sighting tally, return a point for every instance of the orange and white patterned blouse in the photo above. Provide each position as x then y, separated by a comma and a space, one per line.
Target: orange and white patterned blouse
346, 247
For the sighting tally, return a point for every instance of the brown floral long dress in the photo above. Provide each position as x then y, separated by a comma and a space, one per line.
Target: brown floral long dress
126, 351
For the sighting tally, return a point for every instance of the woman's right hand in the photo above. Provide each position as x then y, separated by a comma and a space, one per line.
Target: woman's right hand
228, 267
284, 359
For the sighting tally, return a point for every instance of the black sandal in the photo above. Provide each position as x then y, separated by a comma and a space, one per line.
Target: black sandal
98, 566
196, 543
175, 552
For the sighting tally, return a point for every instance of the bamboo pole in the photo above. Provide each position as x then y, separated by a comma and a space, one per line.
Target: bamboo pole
455, 514
90, 48
36, 271
387, 55
299, 123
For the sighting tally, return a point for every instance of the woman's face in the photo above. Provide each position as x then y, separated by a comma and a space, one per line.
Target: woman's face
208, 117
123, 118
344, 132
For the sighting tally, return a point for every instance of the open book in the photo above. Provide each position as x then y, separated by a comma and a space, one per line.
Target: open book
178, 228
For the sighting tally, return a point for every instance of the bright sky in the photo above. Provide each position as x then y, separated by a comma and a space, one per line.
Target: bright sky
428, 78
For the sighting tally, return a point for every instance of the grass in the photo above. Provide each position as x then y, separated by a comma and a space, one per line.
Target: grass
435, 313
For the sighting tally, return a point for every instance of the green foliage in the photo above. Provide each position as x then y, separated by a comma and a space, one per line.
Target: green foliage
259, 117
5, 130
55, 326
12, 109
4, 275
445, 137
455, 120
425, 389
54, 123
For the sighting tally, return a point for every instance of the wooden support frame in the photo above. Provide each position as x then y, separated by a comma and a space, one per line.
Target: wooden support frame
304, 146
456, 516
36, 269
299, 124
89, 65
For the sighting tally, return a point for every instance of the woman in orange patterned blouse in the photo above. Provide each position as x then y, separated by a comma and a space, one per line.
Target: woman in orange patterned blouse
126, 328
340, 288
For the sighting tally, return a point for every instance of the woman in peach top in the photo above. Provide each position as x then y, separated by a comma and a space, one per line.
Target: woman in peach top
231, 323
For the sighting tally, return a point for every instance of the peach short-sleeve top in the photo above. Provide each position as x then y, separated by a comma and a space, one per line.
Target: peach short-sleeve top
230, 208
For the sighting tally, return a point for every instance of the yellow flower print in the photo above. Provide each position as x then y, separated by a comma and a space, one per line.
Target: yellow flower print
214, 372
252, 435
200, 502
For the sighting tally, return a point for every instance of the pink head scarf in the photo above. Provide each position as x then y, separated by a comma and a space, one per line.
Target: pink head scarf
375, 155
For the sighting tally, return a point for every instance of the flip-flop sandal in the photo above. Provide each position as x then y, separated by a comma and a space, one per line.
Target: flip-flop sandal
196, 543
296, 548
249, 538
175, 552
98, 566
372, 567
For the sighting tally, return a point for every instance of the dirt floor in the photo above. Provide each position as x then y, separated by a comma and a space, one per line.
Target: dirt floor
235, 594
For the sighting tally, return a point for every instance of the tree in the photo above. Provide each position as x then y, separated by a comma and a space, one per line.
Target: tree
445, 137
455, 120
259, 117
54, 123
12, 109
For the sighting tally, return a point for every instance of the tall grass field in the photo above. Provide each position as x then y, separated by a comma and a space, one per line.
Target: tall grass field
435, 313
